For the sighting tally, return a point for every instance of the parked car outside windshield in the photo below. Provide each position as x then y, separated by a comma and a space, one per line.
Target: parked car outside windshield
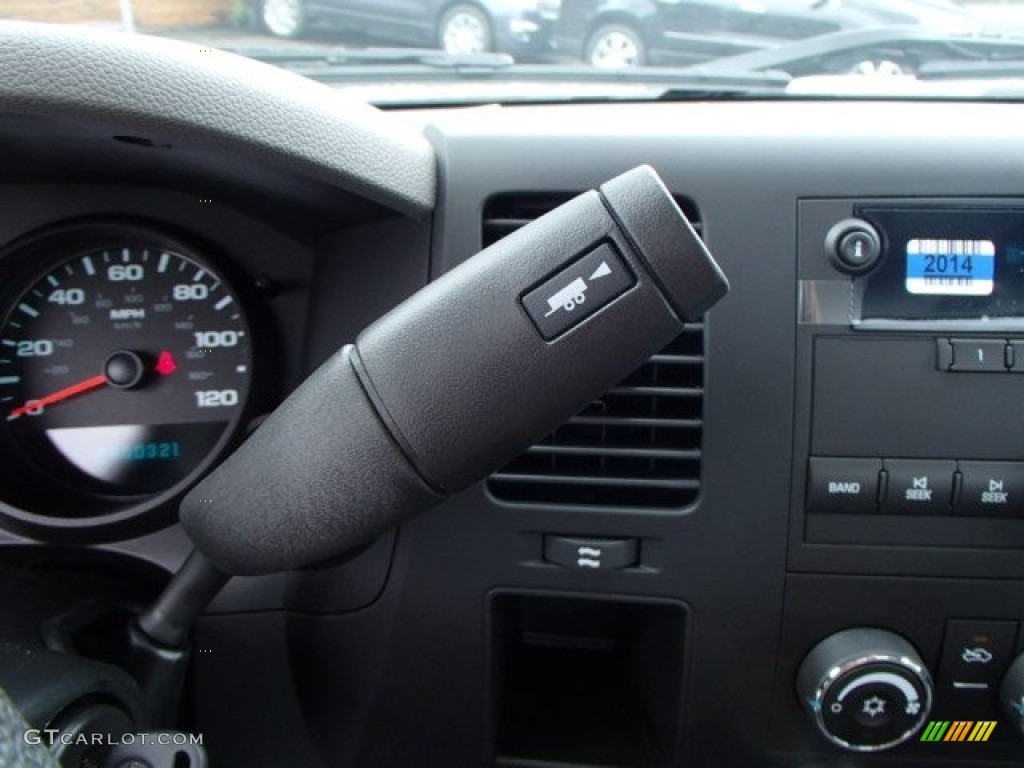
513, 26
416, 52
631, 33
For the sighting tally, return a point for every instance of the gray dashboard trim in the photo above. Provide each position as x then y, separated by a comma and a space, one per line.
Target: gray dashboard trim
180, 94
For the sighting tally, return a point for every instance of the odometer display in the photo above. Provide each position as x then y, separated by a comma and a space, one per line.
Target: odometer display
123, 368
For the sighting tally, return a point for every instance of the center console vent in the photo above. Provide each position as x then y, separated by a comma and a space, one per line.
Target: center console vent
639, 445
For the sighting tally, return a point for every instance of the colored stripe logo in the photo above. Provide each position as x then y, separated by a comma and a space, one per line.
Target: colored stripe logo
935, 730
958, 730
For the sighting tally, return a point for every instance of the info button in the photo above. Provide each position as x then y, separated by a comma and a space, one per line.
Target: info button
845, 486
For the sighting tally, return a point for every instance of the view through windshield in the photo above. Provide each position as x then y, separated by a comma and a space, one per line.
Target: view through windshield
538, 49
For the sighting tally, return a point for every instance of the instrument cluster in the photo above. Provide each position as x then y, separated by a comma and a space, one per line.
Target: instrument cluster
127, 362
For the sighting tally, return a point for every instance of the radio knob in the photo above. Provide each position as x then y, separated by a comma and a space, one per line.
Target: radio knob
866, 690
853, 246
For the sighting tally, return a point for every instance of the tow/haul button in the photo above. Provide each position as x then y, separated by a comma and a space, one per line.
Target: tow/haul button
577, 292
844, 486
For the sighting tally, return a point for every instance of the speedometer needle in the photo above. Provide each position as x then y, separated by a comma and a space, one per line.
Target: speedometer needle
56, 397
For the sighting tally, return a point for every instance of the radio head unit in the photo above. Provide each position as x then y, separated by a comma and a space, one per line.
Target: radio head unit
943, 267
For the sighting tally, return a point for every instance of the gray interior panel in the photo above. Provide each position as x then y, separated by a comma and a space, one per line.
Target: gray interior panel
173, 93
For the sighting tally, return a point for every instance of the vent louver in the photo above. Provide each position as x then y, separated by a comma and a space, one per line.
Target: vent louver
637, 446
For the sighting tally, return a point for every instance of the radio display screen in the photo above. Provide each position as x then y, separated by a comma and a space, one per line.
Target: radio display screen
961, 266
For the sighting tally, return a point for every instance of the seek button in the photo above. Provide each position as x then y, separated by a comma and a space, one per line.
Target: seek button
991, 489
919, 487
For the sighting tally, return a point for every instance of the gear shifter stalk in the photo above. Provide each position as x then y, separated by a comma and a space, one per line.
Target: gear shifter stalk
459, 379
454, 382
169, 620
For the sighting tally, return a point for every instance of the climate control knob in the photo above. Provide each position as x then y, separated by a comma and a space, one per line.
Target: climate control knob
865, 689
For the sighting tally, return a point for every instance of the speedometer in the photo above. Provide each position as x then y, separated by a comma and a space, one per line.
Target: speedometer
125, 366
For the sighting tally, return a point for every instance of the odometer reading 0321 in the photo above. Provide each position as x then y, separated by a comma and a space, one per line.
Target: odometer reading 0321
123, 368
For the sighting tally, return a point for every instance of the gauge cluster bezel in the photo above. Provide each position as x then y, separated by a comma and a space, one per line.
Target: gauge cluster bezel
108, 516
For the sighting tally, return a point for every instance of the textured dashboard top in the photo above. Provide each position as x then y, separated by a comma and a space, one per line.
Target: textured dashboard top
181, 94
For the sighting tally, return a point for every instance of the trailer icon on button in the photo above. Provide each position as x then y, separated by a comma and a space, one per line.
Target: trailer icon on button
569, 297
578, 291
572, 296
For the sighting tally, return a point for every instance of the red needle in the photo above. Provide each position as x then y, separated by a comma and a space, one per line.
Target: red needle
56, 397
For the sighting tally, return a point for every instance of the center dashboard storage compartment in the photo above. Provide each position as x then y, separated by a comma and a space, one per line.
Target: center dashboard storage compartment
579, 680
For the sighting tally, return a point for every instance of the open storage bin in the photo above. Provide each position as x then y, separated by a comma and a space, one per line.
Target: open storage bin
586, 681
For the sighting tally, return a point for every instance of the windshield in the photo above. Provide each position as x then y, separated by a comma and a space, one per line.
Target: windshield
462, 51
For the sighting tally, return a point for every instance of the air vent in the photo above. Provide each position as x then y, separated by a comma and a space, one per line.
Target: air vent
637, 446
504, 214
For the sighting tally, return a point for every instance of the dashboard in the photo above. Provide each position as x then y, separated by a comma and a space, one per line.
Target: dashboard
831, 454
